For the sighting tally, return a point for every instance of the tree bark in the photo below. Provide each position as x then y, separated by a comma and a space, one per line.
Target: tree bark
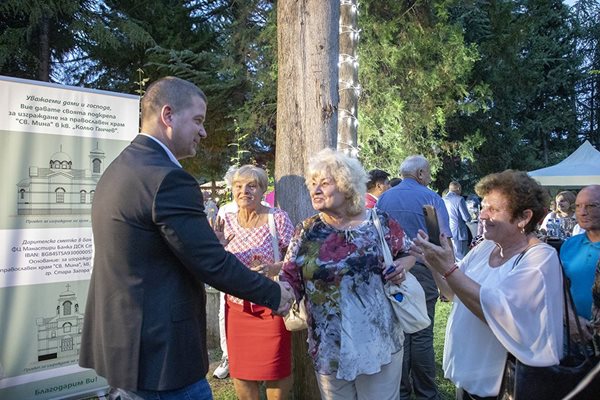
44, 50
307, 98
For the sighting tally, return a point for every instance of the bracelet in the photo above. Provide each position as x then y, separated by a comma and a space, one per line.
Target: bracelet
450, 271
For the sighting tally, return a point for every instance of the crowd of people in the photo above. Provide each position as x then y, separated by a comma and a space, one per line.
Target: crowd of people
156, 246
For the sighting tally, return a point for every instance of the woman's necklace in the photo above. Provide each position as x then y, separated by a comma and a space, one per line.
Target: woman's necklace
505, 253
344, 223
250, 220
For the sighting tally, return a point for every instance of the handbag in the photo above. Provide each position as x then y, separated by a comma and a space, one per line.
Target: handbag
408, 298
524, 382
296, 319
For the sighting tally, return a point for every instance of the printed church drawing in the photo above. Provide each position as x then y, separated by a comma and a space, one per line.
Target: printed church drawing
60, 336
60, 189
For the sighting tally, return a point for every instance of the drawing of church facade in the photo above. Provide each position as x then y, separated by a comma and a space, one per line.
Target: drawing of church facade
60, 189
60, 336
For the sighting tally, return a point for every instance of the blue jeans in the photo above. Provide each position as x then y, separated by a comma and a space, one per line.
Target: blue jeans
196, 391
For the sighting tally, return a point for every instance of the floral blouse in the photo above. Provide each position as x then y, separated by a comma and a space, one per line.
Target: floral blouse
339, 273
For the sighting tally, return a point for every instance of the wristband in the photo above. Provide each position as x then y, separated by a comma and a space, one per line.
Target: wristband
450, 271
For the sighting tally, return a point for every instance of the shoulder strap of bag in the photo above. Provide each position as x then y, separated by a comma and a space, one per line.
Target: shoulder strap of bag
568, 297
275, 240
387, 254
522, 254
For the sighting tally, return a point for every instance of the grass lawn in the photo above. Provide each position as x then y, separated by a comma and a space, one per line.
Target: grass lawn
223, 388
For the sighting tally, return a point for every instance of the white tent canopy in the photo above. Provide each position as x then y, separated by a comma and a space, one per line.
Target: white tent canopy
580, 169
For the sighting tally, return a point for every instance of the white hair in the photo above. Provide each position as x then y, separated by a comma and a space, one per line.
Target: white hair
228, 178
412, 164
347, 172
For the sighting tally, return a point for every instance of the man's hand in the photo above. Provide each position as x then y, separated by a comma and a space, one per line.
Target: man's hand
287, 298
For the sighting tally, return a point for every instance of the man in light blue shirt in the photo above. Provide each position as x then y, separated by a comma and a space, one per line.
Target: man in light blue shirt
581, 253
404, 203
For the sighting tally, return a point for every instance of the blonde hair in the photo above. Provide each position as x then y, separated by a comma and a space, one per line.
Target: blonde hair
347, 172
252, 173
568, 196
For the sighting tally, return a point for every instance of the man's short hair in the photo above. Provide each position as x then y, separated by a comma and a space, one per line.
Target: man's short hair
170, 90
454, 186
375, 176
412, 164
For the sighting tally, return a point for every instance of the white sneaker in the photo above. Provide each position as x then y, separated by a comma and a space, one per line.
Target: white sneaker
222, 371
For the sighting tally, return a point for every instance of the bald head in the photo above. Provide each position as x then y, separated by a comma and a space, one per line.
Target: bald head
594, 190
587, 210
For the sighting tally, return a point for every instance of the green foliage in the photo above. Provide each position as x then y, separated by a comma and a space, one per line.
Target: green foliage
475, 85
25, 25
119, 43
414, 73
528, 63
242, 89
587, 13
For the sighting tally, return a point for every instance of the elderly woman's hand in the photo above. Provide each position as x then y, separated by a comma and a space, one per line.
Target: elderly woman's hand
395, 274
268, 269
218, 228
440, 258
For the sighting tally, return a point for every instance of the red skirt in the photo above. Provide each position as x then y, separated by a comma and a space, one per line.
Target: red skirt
258, 345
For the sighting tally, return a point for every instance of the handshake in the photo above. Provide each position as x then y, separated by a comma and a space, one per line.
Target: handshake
287, 299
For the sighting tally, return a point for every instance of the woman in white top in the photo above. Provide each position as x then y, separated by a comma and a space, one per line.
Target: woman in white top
565, 213
507, 291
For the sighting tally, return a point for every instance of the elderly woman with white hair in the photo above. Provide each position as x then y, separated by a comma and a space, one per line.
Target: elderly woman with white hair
335, 263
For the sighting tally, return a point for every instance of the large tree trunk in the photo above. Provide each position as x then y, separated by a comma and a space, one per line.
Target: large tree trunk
307, 95
307, 98
44, 50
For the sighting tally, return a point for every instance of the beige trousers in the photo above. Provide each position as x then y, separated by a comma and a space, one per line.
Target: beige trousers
384, 385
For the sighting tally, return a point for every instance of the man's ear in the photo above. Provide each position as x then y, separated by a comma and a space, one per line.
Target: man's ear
166, 115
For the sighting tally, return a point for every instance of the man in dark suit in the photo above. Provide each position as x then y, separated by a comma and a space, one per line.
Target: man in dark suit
145, 320
459, 216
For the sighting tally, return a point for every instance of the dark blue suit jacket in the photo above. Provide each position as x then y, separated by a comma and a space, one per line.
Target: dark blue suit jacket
145, 319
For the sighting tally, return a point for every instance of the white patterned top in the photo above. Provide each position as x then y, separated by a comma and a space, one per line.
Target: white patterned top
254, 246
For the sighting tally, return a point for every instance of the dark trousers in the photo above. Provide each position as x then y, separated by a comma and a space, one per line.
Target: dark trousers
418, 369
464, 395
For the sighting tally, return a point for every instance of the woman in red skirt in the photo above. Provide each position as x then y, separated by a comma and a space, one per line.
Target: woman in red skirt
258, 344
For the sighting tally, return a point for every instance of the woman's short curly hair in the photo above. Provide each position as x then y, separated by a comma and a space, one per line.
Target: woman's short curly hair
347, 172
522, 191
253, 173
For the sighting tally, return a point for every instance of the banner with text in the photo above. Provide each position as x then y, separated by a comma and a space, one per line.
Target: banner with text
56, 142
